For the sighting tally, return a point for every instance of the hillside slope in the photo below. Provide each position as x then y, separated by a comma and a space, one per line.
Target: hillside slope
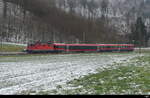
73, 20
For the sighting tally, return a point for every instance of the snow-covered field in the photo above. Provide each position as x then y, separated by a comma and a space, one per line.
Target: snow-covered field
37, 73
10, 43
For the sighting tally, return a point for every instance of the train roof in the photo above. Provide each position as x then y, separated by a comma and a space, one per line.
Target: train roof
60, 44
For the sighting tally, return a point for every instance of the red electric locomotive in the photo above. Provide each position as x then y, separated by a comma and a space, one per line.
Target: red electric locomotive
49, 47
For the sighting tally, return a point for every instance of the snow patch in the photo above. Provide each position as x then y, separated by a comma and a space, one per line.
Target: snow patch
10, 43
46, 72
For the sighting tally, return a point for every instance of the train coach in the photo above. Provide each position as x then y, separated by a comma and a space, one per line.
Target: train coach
48, 47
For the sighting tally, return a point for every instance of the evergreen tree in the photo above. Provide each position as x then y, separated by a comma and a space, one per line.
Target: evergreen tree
139, 33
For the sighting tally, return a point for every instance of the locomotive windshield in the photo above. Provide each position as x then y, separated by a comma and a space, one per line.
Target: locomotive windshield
39, 42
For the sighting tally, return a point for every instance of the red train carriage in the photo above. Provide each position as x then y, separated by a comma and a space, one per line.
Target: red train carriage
93, 47
57, 48
39, 47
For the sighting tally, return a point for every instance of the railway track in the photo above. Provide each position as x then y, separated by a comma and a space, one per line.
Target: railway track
12, 53
25, 53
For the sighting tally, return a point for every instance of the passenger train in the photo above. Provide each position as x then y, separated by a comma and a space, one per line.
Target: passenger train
49, 47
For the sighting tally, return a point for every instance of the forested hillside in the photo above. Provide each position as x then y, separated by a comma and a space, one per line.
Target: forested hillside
73, 21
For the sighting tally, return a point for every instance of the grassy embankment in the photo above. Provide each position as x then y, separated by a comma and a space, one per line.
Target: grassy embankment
11, 48
130, 77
